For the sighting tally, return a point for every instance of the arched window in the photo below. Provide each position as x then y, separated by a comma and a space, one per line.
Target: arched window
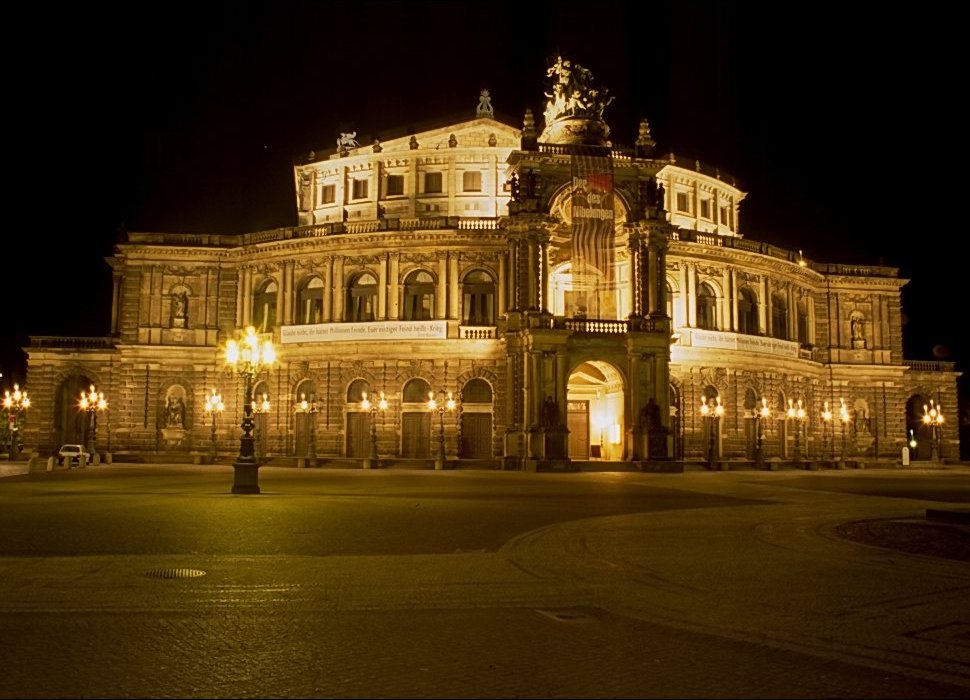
418, 296
779, 316
802, 318
264, 307
747, 312
476, 391
706, 301
416, 391
309, 301
355, 392
478, 299
362, 298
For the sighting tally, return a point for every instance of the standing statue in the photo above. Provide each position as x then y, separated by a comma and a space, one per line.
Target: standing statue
484, 108
180, 309
175, 412
347, 140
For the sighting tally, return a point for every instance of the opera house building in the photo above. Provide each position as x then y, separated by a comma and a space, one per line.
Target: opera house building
497, 296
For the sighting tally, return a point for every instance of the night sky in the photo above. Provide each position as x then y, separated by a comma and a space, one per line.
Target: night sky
839, 119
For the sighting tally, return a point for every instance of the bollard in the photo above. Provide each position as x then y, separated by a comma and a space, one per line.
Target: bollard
82, 461
905, 456
50, 464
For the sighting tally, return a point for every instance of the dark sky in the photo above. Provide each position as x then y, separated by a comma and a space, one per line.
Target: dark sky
840, 120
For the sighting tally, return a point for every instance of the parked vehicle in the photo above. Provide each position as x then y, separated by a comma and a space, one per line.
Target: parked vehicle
71, 454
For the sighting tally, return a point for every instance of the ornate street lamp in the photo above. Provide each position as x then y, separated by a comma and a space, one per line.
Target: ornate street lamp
933, 417
762, 414
16, 405
826, 425
712, 411
368, 405
247, 357
93, 403
309, 409
796, 414
213, 406
844, 418
444, 402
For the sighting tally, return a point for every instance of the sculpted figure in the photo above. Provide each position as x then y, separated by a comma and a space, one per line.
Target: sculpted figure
347, 141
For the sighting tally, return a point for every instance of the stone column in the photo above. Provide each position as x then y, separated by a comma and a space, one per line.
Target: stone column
393, 291
339, 289
382, 288
453, 285
327, 289
441, 289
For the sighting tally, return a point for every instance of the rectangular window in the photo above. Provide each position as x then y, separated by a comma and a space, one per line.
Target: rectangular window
724, 217
359, 189
706, 208
471, 181
328, 194
432, 183
683, 202
395, 185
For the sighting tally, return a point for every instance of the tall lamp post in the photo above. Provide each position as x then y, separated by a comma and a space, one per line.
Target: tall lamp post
712, 410
15, 404
213, 406
92, 402
444, 402
247, 357
933, 417
844, 418
826, 425
368, 405
309, 409
762, 414
796, 414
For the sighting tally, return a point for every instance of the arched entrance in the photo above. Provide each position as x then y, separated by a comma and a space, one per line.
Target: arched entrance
70, 425
358, 420
415, 420
594, 415
917, 430
476, 420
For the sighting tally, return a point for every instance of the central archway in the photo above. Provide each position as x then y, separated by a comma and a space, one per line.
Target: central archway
595, 415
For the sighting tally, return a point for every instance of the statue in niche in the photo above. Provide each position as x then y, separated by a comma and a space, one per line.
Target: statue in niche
180, 309
550, 413
858, 330
175, 412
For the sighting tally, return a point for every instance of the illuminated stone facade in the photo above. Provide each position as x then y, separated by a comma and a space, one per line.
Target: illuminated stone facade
443, 260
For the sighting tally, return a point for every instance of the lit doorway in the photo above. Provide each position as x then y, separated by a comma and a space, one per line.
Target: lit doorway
594, 413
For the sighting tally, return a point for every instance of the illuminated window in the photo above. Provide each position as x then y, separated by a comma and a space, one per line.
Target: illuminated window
309, 301
725, 216
747, 312
359, 189
264, 307
706, 208
478, 299
395, 185
418, 296
779, 317
432, 183
683, 202
471, 181
706, 301
328, 194
362, 298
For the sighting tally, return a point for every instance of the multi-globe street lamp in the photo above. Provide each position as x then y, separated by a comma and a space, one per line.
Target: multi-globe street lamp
309, 410
796, 414
445, 401
712, 410
933, 417
761, 415
373, 408
247, 357
212, 407
827, 444
844, 418
16, 405
93, 403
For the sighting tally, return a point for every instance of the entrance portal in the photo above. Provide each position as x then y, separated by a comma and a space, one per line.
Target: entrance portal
594, 414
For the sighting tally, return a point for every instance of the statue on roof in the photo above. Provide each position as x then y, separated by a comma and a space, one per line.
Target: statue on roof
574, 108
484, 108
345, 141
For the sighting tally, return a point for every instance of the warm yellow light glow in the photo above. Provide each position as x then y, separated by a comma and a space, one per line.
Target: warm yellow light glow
844, 412
826, 413
764, 411
213, 403
432, 404
615, 434
450, 404
232, 353
382, 404
364, 401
